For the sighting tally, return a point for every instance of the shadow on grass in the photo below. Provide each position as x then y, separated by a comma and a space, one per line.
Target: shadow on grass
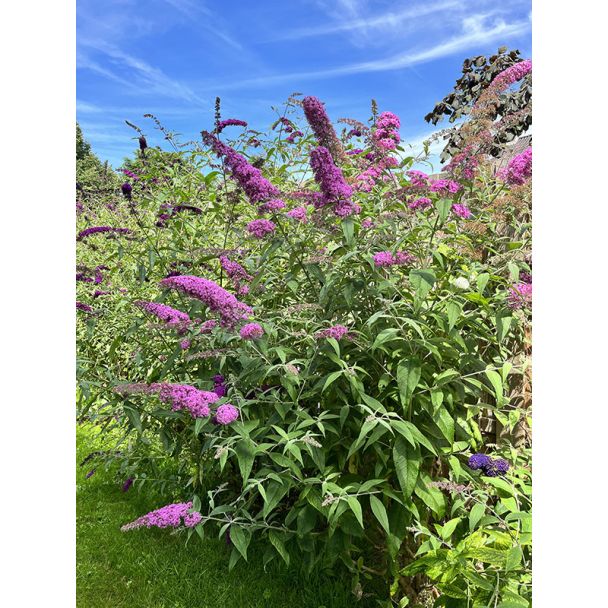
156, 569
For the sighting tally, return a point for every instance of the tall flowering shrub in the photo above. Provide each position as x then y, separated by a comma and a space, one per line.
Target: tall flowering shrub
342, 394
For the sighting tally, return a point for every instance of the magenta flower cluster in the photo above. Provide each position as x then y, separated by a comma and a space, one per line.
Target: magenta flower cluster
249, 178
100, 229
335, 331
251, 331
226, 414
365, 181
519, 168
215, 297
189, 398
519, 295
298, 214
169, 516
321, 126
386, 134
462, 211
384, 259
421, 203
219, 386
444, 186
275, 204
463, 164
334, 188
512, 74
230, 122
239, 276
208, 326
291, 138
261, 228
418, 179
173, 318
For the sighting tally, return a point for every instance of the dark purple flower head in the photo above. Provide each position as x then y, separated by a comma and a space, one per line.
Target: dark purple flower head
479, 461
143, 144
83, 307
127, 484
218, 379
230, 122
333, 186
249, 178
127, 188
90, 473
99, 229
488, 466
322, 128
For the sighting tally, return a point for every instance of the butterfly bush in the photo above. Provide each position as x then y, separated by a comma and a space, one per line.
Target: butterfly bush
378, 397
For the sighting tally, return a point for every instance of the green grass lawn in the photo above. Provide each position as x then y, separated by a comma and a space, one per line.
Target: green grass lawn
155, 569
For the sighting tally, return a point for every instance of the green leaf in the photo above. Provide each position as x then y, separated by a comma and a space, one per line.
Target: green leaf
332, 378
422, 281
477, 512
245, 452
447, 376
134, 417
496, 381
279, 545
504, 488
240, 537
274, 493
503, 324
379, 510
407, 464
348, 230
443, 207
454, 311
384, 336
482, 281
445, 422
430, 496
355, 507
408, 376
514, 558
448, 529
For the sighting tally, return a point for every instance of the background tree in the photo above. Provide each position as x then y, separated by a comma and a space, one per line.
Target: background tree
477, 75
92, 175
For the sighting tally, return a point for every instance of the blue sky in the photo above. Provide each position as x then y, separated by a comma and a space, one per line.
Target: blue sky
172, 57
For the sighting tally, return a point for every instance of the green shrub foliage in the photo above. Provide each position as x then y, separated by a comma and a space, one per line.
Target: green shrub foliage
351, 444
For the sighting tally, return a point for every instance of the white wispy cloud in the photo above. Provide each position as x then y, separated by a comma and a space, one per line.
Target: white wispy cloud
142, 76
391, 20
475, 32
